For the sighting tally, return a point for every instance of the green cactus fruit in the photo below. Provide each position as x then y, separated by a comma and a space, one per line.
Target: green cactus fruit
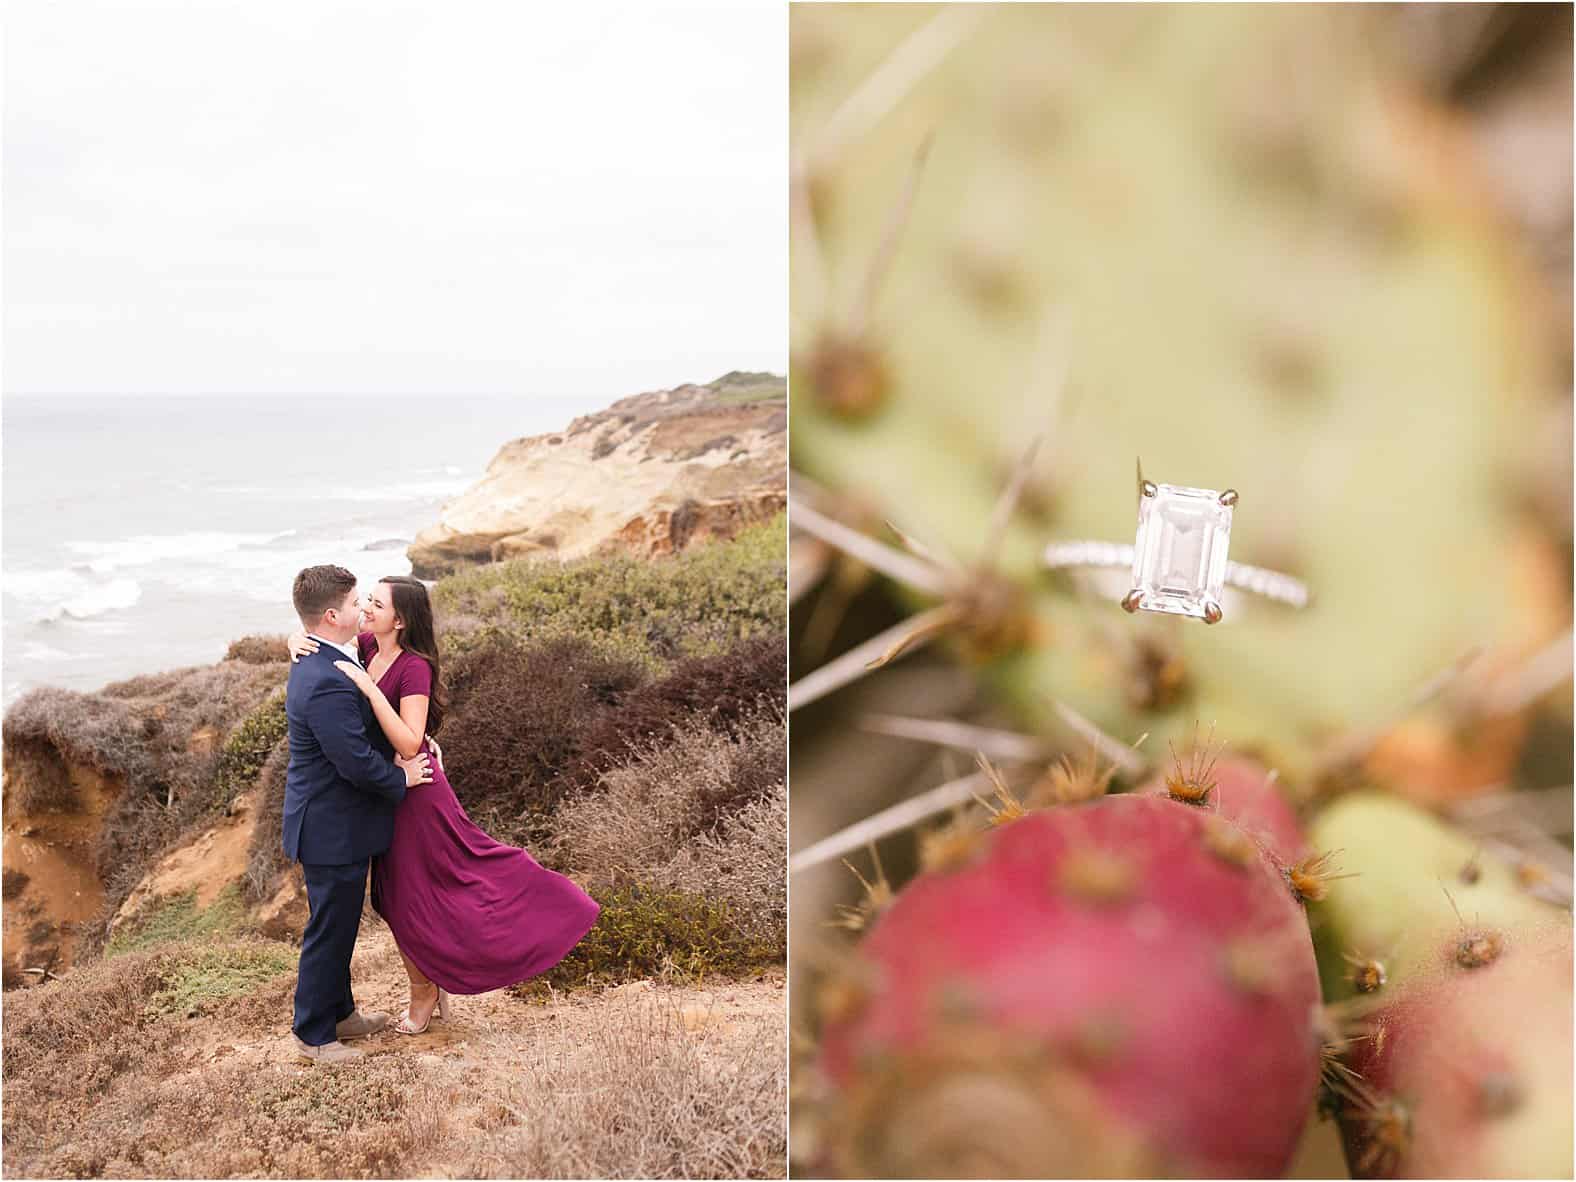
1466, 1073
1454, 982
1422, 888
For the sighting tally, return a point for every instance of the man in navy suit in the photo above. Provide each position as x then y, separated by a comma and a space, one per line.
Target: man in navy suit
340, 793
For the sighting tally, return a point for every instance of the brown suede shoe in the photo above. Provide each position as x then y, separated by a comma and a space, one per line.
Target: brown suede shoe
331, 1052
359, 1025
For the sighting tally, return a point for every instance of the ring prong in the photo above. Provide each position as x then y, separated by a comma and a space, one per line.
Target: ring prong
1131, 599
1229, 497
1212, 612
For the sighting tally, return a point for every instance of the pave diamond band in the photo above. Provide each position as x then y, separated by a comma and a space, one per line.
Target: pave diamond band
1254, 579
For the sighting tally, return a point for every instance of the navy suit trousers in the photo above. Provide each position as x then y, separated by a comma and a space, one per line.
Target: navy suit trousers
322, 998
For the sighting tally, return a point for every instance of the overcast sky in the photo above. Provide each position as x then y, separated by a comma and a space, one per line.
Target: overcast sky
452, 196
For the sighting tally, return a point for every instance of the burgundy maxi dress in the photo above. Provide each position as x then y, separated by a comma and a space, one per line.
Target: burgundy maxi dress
471, 913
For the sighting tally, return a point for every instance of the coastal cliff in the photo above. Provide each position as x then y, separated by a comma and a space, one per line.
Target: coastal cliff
663, 514
620, 717
650, 475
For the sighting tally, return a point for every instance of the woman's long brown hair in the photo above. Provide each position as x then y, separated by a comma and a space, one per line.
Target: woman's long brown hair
413, 607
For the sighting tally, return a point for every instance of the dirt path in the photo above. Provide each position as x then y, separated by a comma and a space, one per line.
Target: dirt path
490, 1058
499, 1027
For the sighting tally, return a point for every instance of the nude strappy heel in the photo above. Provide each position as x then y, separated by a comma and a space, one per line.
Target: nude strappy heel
441, 1010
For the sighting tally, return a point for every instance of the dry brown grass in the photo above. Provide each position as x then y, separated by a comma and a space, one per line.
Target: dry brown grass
362, 1120
696, 812
670, 790
69, 1039
140, 731
36, 777
743, 863
641, 1098
258, 650
101, 1079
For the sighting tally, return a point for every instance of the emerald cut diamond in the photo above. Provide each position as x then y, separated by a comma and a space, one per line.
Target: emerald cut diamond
1179, 558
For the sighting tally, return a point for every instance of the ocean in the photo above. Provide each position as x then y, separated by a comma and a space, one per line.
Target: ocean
145, 533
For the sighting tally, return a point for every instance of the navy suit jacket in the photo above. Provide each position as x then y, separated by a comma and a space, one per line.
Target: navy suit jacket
342, 785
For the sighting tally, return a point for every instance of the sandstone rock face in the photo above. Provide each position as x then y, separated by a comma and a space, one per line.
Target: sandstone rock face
52, 885
649, 475
207, 863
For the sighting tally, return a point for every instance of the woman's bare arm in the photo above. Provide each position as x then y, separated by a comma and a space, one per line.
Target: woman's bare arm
404, 728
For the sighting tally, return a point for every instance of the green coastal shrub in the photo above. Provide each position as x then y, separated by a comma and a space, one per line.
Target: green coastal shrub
643, 932
697, 602
244, 752
205, 975
175, 919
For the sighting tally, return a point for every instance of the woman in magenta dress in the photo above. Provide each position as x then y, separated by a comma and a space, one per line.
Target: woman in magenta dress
469, 914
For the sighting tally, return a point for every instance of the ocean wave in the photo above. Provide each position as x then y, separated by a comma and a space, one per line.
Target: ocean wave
106, 557
112, 596
43, 585
258, 567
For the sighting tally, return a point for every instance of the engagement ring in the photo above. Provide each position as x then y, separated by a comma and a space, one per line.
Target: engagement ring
1179, 560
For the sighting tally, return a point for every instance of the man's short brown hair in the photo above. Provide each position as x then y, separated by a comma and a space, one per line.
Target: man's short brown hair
319, 588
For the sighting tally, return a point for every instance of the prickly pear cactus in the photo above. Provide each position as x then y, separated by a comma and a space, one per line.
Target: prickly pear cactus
1217, 239
1227, 240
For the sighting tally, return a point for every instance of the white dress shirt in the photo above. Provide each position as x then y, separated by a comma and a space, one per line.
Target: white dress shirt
349, 650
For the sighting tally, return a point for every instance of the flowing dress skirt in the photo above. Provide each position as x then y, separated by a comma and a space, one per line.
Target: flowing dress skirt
472, 913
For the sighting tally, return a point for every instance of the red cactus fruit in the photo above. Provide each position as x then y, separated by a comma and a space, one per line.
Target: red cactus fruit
1119, 988
1467, 1072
